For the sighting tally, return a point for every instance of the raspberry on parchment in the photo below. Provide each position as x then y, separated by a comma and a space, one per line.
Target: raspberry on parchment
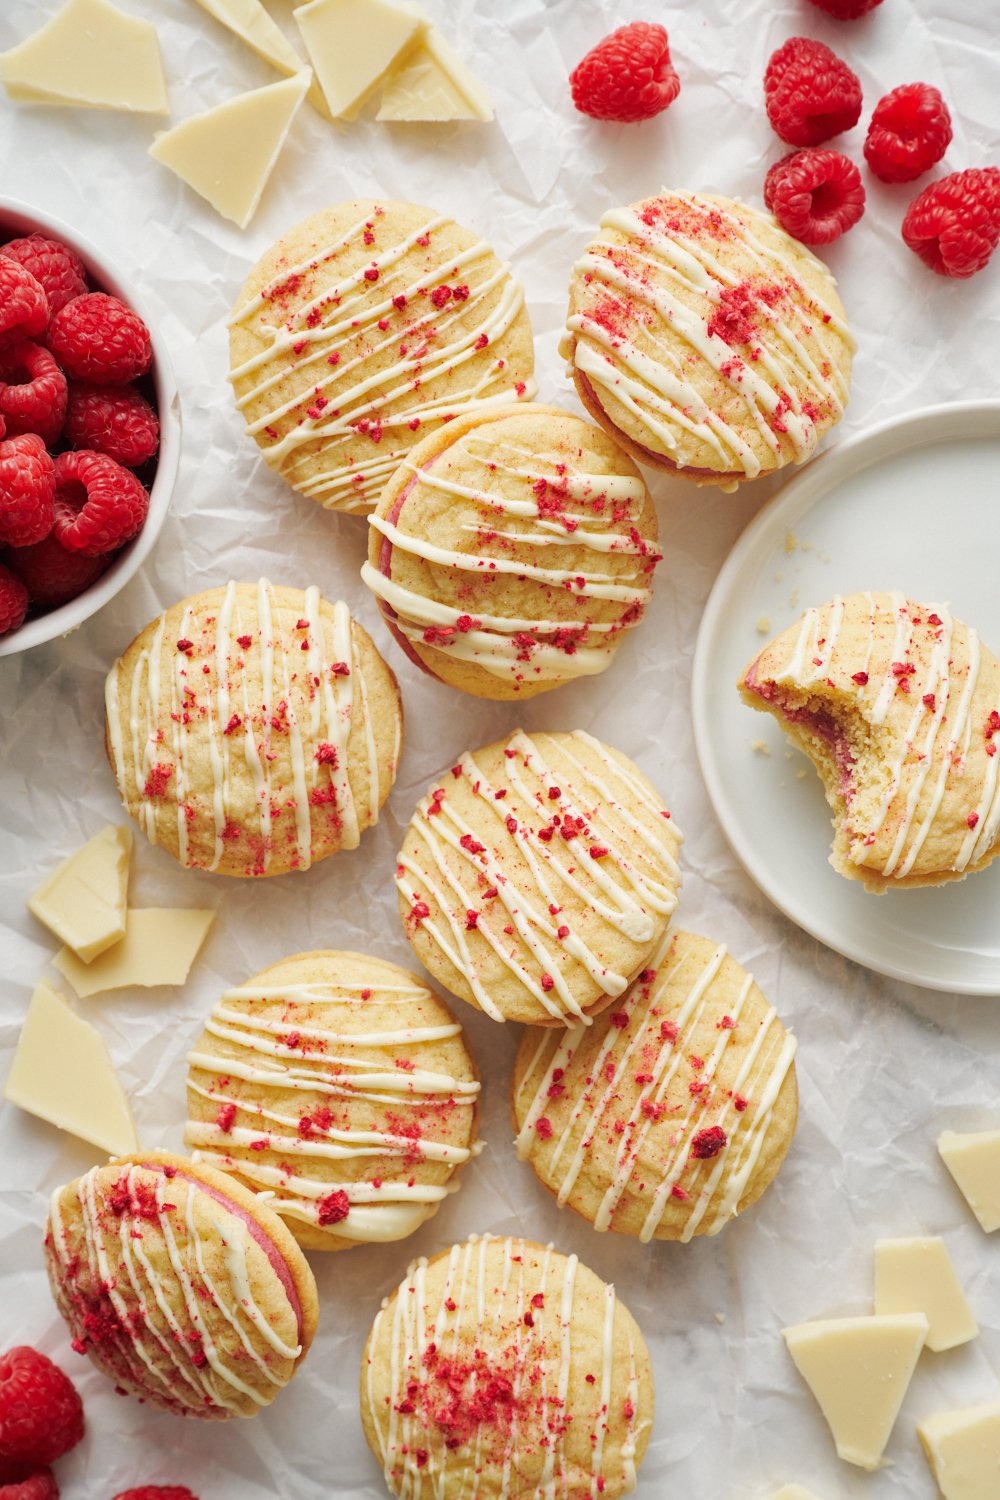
810, 93
41, 1414
954, 225
628, 76
816, 195
909, 133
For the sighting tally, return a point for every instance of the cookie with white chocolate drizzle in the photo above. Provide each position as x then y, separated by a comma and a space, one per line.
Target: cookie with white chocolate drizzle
538, 876
253, 729
705, 339
897, 704
186, 1290
363, 329
513, 550
673, 1112
343, 1087
505, 1370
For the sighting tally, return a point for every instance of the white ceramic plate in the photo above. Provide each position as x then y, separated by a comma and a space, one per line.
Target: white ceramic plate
914, 505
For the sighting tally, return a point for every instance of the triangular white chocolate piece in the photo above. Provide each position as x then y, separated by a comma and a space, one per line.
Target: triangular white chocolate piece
859, 1370
62, 1073
917, 1275
159, 947
83, 901
89, 54
974, 1162
352, 44
227, 153
963, 1450
433, 83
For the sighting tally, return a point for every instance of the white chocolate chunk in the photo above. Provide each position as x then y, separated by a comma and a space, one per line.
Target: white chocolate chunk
89, 54
431, 82
83, 901
916, 1275
974, 1162
794, 1492
62, 1073
159, 947
859, 1370
963, 1450
352, 44
227, 154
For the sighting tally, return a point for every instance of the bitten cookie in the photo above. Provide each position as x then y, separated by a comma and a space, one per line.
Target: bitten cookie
342, 1085
538, 877
363, 329
188, 1292
503, 1369
253, 729
512, 550
673, 1112
897, 704
705, 339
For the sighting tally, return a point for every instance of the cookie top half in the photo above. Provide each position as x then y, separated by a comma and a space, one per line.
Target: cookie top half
363, 329
706, 339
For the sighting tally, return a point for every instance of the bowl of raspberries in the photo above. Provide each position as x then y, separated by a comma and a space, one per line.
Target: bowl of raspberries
89, 430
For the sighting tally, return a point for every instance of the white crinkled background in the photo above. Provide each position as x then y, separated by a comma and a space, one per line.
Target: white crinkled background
883, 1067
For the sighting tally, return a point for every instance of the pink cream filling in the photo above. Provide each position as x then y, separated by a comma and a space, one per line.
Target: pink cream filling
277, 1261
385, 567
654, 459
820, 723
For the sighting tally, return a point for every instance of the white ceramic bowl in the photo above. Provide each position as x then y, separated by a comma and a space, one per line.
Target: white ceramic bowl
17, 219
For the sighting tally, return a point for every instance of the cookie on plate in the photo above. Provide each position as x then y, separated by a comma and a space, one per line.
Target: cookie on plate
180, 1285
673, 1112
705, 339
253, 729
363, 329
341, 1085
502, 1368
512, 550
538, 877
897, 704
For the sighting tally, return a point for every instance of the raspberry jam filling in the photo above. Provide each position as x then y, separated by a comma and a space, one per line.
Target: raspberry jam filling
385, 567
818, 722
277, 1261
649, 455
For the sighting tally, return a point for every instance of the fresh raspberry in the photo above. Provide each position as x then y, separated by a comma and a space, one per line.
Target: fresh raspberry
57, 269
954, 224
847, 10
99, 505
24, 307
816, 195
32, 391
96, 337
114, 420
27, 491
158, 1492
27, 1482
51, 574
810, 93
628, 76
41, 1414
909, 133
13, 601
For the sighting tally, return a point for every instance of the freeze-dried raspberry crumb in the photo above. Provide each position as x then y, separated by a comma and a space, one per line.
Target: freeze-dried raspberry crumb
58, 270
32, 391
846, 10
708, 1143
13, 601
816, 195
27, 1482
27, 491
909, 132
41, 1414
114, 420
24, 307
99, 505
810, 93
954, 224
96, 337
334, 1207
51, 574
628, 76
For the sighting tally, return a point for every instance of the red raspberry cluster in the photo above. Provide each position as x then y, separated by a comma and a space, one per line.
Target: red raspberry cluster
73, 427
817, 194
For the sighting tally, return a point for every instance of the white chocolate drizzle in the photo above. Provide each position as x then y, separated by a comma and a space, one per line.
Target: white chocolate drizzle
631, 884
382, 384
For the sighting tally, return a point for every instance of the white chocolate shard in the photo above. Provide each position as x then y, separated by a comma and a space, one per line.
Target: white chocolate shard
89, 54
963, 1450
917, 1275
352, 44
432, 82
974, 1162
159, 947
83, 901
62, 1073
227, 154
